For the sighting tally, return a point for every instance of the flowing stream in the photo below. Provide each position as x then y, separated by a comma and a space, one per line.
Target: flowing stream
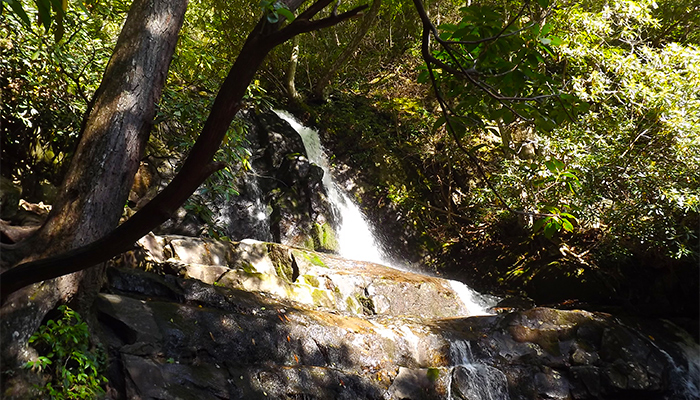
355, 237
472, 380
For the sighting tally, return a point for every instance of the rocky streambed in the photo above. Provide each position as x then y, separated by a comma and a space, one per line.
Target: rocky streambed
188, 318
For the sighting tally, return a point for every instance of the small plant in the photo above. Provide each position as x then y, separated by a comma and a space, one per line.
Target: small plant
66, 355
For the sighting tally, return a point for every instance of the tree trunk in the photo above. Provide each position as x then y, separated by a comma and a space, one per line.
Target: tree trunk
194, 171
291, 72
93, 194
321, 88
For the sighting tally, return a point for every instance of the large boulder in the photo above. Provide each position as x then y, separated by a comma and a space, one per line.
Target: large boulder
282, 197
254, 320
314, 279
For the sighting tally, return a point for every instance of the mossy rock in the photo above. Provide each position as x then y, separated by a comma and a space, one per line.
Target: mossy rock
324, 238
321, 298
313, 258
367, 304
284, 266
311, 280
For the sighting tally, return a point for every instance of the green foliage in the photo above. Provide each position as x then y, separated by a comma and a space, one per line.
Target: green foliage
496, 66
273, 11
50, 14
638, 148
554, 222
67, 356
46, 87
618, 144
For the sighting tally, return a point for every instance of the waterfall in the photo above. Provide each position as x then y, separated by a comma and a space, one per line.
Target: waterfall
474, 302
355, 238
472, 380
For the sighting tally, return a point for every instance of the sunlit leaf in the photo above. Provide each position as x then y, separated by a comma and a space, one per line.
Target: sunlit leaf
286, 14
16, 6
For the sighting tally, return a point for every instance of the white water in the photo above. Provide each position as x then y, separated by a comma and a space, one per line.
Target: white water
355, 238
690, 379
479, 381
475, 303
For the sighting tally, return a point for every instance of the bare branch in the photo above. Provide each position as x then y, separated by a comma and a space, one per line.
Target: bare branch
304, 25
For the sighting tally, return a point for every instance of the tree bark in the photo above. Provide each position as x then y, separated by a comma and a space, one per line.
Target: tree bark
321, 87
291, 72
93, 194
25, 308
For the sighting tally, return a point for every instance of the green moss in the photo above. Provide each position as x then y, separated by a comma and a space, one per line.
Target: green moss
281, 262
353, 305
320, 298
308, 243
324, 237
311, 280
367, 304
433, 374
310, 257
248, 267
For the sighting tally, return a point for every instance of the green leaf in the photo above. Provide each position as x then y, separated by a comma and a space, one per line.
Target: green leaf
567, 216
551, 228
44, 8
555, 40
567, 225
439, 123
59, 10
546, 28
570, 175
286, 14
17, 8
423, 76
539, 224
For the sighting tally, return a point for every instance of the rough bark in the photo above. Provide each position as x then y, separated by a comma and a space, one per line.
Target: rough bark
97, 183
324, 81
291, 72
26, 308
194, 171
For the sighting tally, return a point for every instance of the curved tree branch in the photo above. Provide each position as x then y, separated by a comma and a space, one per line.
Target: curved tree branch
196, 168
430, 30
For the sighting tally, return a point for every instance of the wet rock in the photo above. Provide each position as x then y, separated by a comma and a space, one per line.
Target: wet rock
282, 198
418, 384
550, 384
256, 320
182, 223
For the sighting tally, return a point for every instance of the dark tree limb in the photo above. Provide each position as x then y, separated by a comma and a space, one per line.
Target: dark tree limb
429, 30
196, 168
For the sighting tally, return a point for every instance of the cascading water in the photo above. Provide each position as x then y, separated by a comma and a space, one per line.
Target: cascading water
355, 238
472, 380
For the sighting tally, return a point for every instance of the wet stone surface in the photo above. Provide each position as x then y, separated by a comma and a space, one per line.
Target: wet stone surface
254, 320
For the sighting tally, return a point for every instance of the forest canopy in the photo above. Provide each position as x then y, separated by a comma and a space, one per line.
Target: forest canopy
576, 121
